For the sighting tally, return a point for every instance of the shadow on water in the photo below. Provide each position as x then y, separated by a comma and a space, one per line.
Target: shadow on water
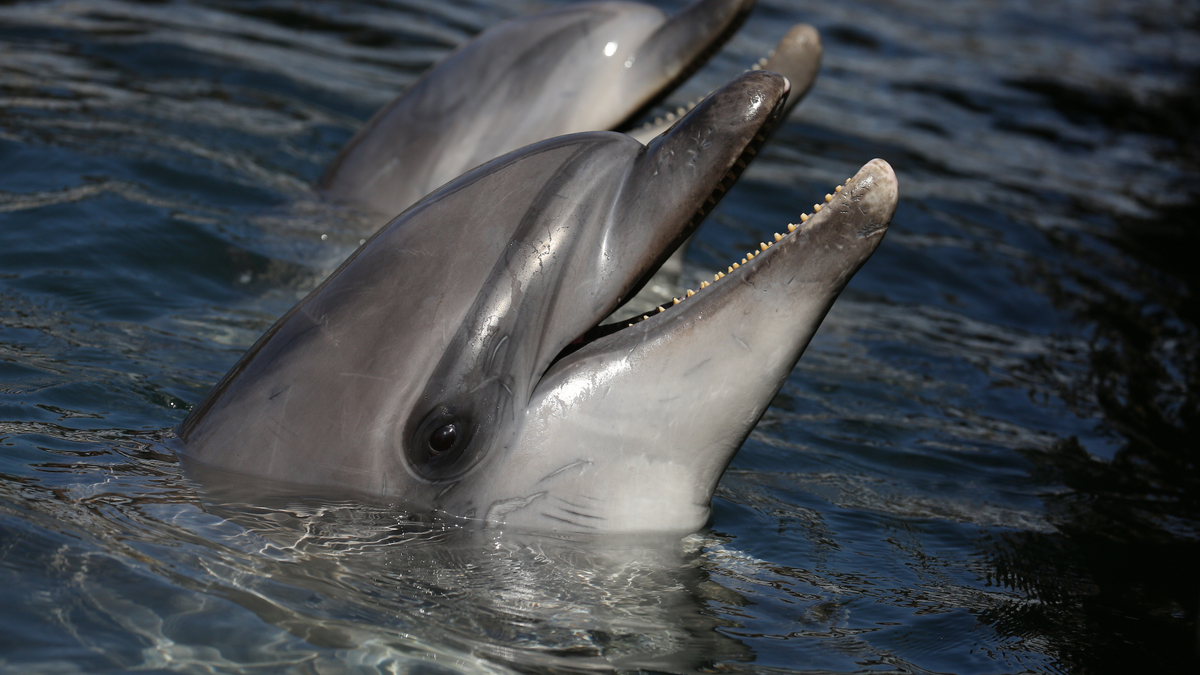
1118, 581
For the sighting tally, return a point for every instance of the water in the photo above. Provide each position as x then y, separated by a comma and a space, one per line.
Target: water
985, 463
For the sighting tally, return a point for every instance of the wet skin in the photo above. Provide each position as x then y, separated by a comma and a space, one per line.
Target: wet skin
433, 366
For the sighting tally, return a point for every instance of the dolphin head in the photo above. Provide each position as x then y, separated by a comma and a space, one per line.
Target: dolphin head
587, 67
411, 371
643, 421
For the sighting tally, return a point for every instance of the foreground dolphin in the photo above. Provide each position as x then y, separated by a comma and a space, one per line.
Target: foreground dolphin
588, 67
436, 367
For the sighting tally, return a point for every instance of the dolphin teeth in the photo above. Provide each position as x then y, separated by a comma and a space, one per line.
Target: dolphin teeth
670, 117
757, 66
762, 62
658, 121
751, 151
644, 317
763, 246
760, 138
681, 111
690, 292
661, 310
740, 164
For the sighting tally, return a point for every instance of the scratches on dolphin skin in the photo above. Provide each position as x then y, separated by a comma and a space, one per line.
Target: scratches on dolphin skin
869, 229
568, 467
690, 371
741, 342
580, 496
384, 172
281, 432
576, 515
568, 521
496, 350
856, 193
450, 486
365, 376
583, 515
498, 510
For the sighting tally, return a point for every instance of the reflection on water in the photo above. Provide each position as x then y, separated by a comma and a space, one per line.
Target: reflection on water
986, 461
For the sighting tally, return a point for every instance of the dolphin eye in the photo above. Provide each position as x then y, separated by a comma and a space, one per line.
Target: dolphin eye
443, 444
442, 439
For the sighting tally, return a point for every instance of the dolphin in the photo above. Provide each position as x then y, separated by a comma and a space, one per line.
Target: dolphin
453, 363
589, 67
797, 56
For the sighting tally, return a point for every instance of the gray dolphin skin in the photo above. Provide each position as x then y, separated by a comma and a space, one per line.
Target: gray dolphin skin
588, 67
797, 57
453, 364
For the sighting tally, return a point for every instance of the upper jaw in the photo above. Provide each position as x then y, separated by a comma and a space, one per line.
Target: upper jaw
680, 177
689, 168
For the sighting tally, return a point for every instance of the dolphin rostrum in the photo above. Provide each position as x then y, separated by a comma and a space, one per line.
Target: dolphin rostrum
453, 362
589, 67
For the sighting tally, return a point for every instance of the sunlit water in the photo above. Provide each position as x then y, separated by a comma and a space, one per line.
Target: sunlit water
985, 463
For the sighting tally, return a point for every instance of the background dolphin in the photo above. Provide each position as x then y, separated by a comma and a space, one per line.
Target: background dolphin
430, 366
797, 57
588, 67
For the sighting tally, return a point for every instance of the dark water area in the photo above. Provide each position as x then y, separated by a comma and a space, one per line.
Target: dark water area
988, 460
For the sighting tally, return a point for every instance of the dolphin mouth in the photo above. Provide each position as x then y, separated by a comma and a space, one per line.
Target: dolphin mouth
718, 191
875, 177
666, 400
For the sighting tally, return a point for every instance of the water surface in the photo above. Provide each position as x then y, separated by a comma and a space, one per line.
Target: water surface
986, 462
